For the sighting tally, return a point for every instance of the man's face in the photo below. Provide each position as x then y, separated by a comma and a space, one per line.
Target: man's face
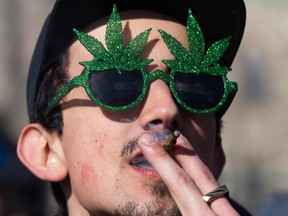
96, 143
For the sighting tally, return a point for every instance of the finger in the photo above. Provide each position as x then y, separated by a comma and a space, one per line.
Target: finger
194, 166
181, 186
201, 175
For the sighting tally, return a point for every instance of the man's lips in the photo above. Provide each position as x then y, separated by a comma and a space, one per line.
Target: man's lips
137, 160
141, 162
143, 167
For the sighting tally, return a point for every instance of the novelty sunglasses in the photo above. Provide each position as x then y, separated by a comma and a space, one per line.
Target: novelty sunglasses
116, 79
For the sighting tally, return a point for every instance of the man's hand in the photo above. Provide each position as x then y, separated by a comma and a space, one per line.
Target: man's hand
186, 177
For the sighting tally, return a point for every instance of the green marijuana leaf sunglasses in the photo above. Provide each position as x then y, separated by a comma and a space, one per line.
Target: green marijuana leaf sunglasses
116, 79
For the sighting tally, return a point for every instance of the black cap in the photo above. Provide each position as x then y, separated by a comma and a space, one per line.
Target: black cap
218, 19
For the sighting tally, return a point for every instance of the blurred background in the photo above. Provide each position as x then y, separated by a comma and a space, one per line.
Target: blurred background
255, 130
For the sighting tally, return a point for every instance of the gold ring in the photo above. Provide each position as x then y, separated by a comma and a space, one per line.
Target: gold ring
218, 192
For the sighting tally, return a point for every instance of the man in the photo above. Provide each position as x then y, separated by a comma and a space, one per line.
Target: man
104, 90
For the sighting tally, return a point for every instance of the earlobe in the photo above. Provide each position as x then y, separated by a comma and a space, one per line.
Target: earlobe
40, 151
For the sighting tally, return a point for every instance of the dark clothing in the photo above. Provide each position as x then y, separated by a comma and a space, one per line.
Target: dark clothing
240, 209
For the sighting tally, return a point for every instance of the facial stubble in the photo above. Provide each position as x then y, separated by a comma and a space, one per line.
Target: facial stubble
161, 202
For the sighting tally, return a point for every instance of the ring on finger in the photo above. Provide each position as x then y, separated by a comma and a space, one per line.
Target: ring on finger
216, 193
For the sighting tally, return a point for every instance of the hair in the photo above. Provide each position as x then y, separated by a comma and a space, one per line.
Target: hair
54, 76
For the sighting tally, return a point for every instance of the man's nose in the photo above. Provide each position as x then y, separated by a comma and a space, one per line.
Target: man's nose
160, 107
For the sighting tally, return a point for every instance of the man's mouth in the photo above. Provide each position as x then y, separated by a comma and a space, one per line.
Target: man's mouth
143, 167
137, 161
141, 162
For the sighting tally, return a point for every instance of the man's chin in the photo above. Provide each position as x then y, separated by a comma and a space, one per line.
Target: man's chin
160, 203
154, 207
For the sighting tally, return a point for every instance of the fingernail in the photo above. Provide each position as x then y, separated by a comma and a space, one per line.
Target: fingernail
182, 139
147, 140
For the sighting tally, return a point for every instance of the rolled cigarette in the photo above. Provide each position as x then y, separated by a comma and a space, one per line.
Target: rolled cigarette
169, 144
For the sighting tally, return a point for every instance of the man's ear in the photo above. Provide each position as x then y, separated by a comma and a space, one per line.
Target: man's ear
41, 152
219, 160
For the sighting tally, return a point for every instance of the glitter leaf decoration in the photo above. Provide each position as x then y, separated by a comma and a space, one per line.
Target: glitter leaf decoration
115, 56
195, 60
113, 36
94, 46
215, 52
175, 47
136, 46
195, 39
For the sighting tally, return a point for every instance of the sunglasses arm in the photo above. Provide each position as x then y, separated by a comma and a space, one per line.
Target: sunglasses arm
76, 81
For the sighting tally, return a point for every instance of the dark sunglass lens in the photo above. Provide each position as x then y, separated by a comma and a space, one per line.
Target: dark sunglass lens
115, 89
200, 91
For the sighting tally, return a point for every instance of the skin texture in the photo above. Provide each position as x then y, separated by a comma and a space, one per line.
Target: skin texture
92, 158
